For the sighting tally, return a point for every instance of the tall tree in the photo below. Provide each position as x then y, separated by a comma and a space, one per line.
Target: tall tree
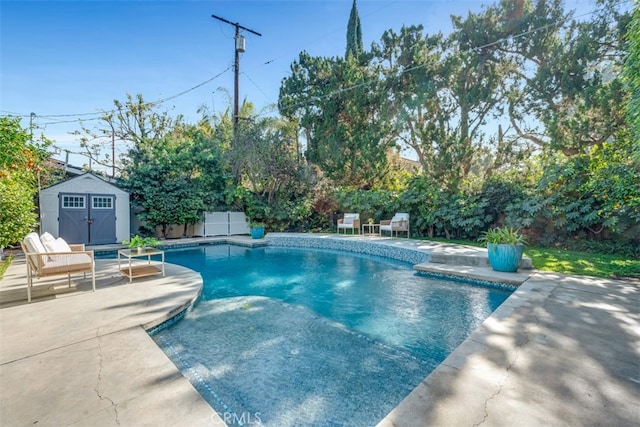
354, 34
20, 161
173, 171
565, 91
338, 105
274, 178
631, 73
129, 123
175, 178
566, 96
441, 92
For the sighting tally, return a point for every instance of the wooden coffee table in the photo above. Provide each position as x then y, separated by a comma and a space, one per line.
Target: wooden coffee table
141, 270
370, 229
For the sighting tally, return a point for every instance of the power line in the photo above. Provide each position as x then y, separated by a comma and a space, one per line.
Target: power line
256, 85
163, 100
102, 113
44, 125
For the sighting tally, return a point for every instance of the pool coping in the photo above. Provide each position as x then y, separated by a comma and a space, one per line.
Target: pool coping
529, 363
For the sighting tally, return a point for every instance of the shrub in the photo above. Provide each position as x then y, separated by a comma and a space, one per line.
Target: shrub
593, 195
500, 192
438, 211
503, 235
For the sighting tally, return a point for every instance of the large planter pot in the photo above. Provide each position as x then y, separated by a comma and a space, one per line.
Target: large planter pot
257, 232
503, 257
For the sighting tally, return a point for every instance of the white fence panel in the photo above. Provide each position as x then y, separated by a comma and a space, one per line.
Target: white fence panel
238, 223
222, 224
216, 224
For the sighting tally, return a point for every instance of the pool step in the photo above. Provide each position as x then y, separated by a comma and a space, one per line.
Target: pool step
475, 272
478, 259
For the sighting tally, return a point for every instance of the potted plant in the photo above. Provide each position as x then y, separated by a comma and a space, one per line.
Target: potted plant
139, 242
257, 229
258, 214
504, 247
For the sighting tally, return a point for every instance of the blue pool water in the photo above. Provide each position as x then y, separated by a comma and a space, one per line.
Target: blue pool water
297, 337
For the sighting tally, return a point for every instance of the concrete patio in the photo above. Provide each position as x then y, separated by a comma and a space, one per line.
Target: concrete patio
560, 351
75, 357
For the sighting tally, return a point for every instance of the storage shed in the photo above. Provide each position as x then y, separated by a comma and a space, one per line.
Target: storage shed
85, 209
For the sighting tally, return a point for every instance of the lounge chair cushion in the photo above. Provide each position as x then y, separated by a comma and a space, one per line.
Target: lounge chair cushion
35, 246
348, 219
67, 263
400, 217
57, 245
46, 237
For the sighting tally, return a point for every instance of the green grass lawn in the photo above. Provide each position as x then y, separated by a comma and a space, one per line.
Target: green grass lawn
4, 264
584, 263
573, 262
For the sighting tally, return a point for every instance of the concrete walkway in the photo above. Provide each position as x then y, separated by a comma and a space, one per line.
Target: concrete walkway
560, 351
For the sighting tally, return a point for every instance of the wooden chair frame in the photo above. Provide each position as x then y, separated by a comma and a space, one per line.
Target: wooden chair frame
49, 264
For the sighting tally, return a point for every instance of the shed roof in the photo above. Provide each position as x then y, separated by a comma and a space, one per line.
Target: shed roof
85, 176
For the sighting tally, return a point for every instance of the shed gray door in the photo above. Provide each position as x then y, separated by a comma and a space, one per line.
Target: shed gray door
102, 214
73, 217
87, 218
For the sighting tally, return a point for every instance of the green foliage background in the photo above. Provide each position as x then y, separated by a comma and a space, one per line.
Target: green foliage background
20, 161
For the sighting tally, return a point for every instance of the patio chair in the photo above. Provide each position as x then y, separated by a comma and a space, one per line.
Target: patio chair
55, 258
350, 221
399, 223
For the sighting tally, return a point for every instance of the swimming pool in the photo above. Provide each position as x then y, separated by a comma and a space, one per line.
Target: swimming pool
286, 336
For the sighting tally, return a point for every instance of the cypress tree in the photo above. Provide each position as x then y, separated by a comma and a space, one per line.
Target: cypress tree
354, 33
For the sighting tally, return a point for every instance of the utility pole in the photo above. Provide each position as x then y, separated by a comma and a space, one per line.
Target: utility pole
113, 152
31, 117
239, 48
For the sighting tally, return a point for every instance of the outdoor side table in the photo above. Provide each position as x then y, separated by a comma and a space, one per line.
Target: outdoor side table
142, 270
371, 229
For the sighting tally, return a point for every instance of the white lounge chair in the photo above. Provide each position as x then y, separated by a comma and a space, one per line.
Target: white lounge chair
351, 221
54, 257
399, 223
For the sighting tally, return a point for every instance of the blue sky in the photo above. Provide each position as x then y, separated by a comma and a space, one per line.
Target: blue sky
64, 58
